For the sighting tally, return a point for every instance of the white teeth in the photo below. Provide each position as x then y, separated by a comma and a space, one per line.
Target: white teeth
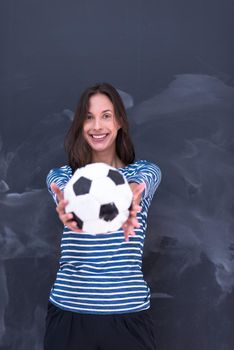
99, 136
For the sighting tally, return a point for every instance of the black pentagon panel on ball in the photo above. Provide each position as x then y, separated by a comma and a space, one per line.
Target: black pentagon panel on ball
78, 221
116, 177
108, 211
82, 186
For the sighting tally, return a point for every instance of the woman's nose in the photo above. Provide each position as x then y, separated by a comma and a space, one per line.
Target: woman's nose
97, 123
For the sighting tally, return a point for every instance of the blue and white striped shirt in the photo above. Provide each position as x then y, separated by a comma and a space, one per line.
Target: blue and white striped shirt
101, 274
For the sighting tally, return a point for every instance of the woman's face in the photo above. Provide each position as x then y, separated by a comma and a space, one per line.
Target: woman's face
100, 126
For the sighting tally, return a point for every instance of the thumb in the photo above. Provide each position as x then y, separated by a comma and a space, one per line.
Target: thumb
57, 191
139, 189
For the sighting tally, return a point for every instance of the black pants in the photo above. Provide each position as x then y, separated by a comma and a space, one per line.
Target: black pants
67, 330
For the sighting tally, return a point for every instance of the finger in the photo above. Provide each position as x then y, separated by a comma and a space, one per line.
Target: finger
138, 190
74, 229
72, 225
129, 231
125, 230
124, 226
63, 203
57, 191
61, 206
135, 222
66, 217
126, 235
136, 207
133, 214
135, 210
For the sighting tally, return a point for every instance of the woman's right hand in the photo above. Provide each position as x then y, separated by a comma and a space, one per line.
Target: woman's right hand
66, 218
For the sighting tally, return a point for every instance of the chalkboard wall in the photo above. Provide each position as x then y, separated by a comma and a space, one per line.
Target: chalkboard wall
172, 62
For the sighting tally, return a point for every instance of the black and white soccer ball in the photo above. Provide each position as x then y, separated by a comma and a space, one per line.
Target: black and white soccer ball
99, 197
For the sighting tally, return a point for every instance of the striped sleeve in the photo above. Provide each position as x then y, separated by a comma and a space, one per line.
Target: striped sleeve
150, 174
60, 176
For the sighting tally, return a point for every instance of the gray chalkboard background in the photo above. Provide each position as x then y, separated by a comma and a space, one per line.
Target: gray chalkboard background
172, 62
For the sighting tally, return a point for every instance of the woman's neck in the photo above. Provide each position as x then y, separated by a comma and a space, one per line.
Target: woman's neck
112, 160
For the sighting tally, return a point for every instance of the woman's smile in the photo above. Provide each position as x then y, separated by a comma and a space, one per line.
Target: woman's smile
100, 127
98, 137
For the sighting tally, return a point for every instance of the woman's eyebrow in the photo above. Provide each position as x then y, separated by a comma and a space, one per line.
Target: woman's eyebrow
106, 110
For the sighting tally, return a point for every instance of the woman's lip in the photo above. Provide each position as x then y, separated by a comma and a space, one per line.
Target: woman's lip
101, 135
98, 139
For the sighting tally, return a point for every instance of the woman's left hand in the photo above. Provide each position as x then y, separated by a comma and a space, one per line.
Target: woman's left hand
132, 220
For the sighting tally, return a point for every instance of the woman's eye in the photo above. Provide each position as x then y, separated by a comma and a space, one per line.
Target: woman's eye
107, 116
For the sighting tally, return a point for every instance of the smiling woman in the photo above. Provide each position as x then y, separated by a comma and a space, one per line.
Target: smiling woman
99, 299
99, 111
100, 130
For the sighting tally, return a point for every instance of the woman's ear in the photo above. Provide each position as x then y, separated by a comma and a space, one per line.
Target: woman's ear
119, 125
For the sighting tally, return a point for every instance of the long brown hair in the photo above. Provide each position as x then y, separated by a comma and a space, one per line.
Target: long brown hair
77, 149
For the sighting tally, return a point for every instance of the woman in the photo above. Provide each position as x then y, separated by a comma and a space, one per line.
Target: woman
99, 299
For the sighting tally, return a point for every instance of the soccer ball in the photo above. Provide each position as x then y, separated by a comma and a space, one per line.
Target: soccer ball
99, 197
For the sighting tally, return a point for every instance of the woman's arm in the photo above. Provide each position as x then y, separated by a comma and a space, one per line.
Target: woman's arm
59, 176
56, 180
149, 174
132, 221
